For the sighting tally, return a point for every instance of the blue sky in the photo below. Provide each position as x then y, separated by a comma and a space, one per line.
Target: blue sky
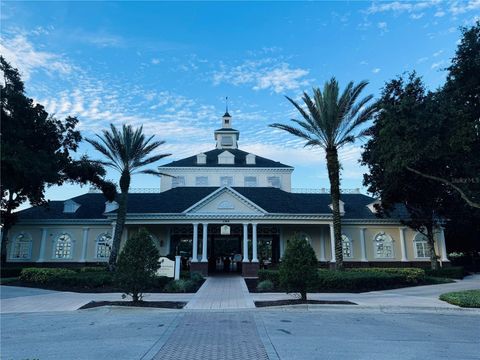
169, 66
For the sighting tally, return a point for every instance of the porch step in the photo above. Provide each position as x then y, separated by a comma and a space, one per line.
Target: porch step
222, 292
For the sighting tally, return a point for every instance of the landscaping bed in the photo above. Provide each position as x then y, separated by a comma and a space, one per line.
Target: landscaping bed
300, 302
351, 280
467, 298
149, 304
96, 280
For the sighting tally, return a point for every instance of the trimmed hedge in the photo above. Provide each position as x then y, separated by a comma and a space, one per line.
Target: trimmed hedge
453, 272
356, 280
66, 277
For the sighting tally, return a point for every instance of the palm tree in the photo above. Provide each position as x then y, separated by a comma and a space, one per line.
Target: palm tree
330, 122
127, 151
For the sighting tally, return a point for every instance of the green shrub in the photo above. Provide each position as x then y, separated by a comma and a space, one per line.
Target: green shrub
137, 265
159, 282
467, 298
298, 270
453, 272
45, 275
265, 285
270, 275
197, 277
409, 275
181, 286
9, 272
356, 281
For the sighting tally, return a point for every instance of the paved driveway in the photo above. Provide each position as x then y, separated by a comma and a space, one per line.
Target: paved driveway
325, 333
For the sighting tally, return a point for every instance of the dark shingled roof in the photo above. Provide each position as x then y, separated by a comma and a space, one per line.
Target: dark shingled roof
227, 130
240, 160
179, 199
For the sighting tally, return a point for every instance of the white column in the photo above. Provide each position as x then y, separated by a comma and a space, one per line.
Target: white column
332, 243
443, 247
176, 273
43, 244
83, 258
402, 244
195, 243
363, 249
245, 243
113, 229
322, 244
204, 243
254, 243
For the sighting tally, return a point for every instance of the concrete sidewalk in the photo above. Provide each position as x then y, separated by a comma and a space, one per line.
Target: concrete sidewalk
22, 299
411, 297
222, 292
231, 293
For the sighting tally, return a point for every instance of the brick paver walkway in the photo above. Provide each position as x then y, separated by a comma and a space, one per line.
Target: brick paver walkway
211, 336
222, 292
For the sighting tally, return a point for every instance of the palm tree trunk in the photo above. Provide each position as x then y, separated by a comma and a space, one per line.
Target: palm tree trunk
333, 167
121, 217
431, 247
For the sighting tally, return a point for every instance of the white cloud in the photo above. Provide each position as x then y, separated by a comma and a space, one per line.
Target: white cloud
440, 13
155, 61
422, 60
461, 7
437, 64
263, 74
376, 70
20, 53
417, 16
438, 53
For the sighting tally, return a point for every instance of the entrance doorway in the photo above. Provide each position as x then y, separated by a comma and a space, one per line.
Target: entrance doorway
225, 255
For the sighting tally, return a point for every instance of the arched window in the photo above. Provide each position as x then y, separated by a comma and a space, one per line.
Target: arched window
383, 245
420, 243
347, 247
63, 246
22, 247
104, 246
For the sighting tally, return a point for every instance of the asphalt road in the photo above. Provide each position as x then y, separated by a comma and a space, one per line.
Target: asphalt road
324, 333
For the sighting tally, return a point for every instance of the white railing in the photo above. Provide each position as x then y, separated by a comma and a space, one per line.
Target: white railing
324, 191
94, 190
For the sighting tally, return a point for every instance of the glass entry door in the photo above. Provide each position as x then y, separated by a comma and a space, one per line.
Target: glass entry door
226, 251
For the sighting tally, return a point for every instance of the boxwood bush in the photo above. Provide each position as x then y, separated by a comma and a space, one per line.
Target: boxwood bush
453, 272
66, 277
45, 275
409, 275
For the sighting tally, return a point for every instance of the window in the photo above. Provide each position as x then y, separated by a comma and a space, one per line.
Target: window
201, 181
227, 141
63, 247
226, 181
22, 247
250, 181
273, 181
347, 247
104, 246
420, 243
383, 245
178, 181
227, 121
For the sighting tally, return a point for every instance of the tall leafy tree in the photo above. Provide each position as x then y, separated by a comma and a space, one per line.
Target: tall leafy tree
127, 151
405, 133
36, 151
331, 120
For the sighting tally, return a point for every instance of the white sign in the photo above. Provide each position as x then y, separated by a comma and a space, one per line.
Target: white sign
167, 267
225, 230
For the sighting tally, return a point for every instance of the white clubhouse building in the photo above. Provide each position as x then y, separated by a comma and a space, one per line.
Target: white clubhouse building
223, 203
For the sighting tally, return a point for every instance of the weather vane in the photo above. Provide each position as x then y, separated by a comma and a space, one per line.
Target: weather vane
226, 104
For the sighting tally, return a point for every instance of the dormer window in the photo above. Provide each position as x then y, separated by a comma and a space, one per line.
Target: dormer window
226, 158
341, 206
250, 159
201, 159
111, 206
70, 206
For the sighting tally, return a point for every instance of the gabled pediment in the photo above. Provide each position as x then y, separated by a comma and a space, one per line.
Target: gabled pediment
225, 201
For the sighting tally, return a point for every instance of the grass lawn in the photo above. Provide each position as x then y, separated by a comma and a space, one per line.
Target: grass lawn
467, 298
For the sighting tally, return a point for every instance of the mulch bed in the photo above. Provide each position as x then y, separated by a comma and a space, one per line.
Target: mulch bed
301, 302
149, 304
